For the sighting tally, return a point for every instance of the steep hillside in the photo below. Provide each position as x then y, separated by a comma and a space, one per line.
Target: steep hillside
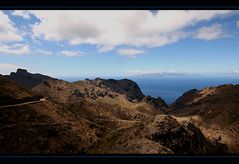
215, 110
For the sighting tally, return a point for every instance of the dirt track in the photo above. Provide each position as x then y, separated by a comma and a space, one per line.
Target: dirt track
26, 103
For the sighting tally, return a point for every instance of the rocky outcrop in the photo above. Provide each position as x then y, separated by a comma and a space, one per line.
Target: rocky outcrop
26, 79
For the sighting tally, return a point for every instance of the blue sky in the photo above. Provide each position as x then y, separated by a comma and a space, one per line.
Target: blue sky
119, 43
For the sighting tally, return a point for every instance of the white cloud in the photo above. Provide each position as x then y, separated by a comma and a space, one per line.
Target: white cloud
26, 14
44, 52
6, 68
108, 29
8, 32
130, 52
212, 32
15, 49
71, 53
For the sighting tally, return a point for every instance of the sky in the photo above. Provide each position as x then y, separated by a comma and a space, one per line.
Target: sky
85, 43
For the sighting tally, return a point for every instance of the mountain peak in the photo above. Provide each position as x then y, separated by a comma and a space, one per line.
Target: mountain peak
26, 79
20, 70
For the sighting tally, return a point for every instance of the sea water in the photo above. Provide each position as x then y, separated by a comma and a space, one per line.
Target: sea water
170, 89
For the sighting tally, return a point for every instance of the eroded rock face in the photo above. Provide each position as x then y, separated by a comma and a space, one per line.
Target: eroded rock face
26, 79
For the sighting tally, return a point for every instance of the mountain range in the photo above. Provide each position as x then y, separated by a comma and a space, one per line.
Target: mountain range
44, 115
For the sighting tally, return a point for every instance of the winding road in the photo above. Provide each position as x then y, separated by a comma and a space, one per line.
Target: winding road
26, 103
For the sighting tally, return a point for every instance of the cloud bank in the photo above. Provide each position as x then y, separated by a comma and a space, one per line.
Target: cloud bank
109, 29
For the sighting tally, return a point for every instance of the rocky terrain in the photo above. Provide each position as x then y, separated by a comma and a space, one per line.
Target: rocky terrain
161, 134
102, 116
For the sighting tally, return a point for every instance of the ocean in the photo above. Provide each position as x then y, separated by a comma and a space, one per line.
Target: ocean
171, 88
